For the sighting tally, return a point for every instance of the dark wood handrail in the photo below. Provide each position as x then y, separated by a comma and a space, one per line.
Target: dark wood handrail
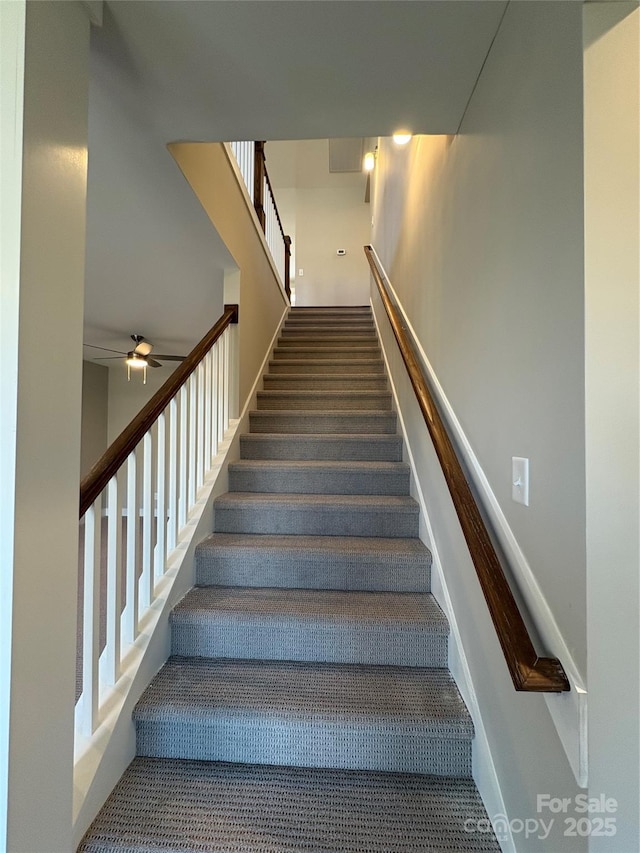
115, 455
260, 177
528, 671
273, 199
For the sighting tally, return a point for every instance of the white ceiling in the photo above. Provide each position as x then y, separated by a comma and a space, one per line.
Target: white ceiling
301, 69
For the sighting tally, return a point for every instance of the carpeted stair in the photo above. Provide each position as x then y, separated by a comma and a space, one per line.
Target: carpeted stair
307, 704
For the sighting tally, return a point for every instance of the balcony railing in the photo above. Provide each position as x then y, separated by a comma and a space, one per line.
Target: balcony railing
135, 502
251, 161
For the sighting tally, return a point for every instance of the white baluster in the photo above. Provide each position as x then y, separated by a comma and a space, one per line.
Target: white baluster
206, 365
220, 406
88, 717
146, 578
215, 385
182, 500
191, 450
110, 661
160, 551
225, 380
199, 378
130, 613
172, 521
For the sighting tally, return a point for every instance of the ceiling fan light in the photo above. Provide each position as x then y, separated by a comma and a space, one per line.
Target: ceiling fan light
136, 360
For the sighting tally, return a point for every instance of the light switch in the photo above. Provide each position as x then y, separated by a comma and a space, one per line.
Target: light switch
520, 480
300, 272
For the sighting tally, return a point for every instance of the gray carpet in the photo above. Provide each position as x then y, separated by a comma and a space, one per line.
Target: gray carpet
307, 705
184, 806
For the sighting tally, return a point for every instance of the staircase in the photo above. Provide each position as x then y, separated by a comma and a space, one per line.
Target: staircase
307, 705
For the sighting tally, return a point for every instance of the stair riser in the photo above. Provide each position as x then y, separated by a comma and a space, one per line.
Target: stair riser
372, 448
295, 352
291, 743
328, 341
331, 311
222, 567
312, 482
314, 366
347, 332
316, 521
216, 637
274, 422
332, 326
325, 383
324, 401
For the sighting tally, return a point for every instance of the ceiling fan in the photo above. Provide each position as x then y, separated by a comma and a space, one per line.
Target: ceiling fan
139, 356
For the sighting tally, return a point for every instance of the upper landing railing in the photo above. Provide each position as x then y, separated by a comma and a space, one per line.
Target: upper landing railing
135, 502
252, 163
528, 671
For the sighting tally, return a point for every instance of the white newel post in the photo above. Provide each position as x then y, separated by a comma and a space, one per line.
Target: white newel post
44, 58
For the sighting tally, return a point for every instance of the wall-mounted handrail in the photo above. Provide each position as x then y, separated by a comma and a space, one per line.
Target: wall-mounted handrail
115, 455
528, 671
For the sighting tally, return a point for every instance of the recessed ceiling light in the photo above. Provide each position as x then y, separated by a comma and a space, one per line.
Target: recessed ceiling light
401, 137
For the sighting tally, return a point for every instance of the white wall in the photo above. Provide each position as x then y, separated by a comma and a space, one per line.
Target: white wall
127, 398
95, 394
47, 65
155, 263
324, 212
482, 237
612, 300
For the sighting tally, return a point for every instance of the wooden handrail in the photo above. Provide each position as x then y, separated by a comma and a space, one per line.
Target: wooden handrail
528, 671
273, 199
115, 455
260, 177
258, 181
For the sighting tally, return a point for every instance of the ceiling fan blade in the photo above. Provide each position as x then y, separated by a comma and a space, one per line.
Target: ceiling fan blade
152, 362
171, 357
106, 349
110, 357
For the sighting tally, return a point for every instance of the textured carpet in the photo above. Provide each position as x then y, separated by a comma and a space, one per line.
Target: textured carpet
307, 705
311, 625
162, 805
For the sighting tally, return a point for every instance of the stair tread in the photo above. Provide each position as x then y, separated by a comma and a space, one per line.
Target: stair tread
319, 377
307, 361
314, 413
357, 695
311, 392
356, 546
328, 421
328, 328
337, 503
339, 335
319, 446
340, 347
313, 562
319, 477
178, 805
390, 610
329, 465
